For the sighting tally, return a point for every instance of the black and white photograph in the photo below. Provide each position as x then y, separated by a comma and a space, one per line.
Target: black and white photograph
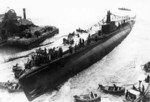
74, 51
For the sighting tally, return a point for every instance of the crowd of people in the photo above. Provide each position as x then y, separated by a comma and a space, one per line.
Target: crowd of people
43, 56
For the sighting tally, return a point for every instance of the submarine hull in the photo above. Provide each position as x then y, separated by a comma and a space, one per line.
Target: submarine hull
50, 76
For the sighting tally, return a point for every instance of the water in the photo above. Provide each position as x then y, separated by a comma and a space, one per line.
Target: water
122, 66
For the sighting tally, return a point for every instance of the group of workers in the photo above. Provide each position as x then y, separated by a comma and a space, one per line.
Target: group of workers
46, 55
43, 56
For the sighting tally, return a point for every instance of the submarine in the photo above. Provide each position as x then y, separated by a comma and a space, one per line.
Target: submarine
49, 76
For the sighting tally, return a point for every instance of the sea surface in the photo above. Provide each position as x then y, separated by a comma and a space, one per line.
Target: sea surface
122, 66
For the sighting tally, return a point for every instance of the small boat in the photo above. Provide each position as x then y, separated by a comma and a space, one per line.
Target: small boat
11, 86
116, 90
92, 97
81, 30
132, 96
125, 9
3, 85
15, 87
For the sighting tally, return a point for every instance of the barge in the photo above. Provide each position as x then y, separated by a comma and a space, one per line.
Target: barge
21, 32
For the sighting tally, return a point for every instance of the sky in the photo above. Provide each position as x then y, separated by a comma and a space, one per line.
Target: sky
72, 13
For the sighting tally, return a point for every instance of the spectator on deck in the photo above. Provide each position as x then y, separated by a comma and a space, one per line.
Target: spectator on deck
143, 88
92, 96
60, 52
70, 49
127, 94
83, 42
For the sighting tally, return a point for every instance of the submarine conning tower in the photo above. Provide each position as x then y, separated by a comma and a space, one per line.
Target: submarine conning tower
109, 25
24, 13
108, 20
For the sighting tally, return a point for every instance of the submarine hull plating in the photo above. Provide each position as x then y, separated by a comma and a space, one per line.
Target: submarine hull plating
50, 76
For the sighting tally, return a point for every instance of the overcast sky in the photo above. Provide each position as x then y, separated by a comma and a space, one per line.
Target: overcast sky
64, 13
